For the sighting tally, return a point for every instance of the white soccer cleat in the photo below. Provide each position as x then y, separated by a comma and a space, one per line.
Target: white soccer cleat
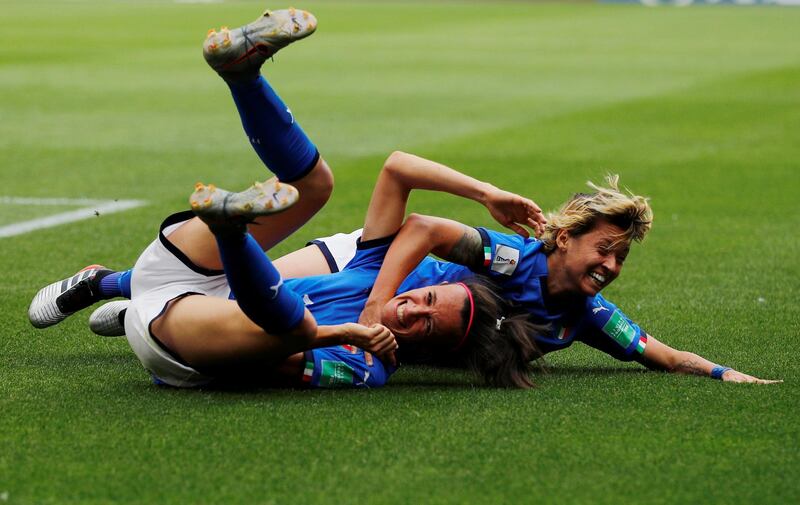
57, 301
244, 49
219, 208
109, 319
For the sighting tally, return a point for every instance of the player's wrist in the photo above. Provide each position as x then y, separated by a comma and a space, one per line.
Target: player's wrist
485, 192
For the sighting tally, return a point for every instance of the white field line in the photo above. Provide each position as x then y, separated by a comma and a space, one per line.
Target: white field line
90, 208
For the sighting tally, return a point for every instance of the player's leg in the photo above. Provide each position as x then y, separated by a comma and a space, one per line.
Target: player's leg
267, 319
279, 141
216, 337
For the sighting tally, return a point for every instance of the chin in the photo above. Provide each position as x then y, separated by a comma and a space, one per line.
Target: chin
591, 288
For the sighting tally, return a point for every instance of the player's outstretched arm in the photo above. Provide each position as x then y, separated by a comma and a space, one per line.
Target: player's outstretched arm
659, 356
403, 172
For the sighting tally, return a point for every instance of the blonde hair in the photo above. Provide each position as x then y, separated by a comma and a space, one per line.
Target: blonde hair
581, 213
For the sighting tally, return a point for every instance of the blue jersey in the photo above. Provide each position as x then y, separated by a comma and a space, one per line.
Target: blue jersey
519, 266
339, 298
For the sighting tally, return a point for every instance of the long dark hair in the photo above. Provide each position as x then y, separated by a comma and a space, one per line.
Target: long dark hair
501, 343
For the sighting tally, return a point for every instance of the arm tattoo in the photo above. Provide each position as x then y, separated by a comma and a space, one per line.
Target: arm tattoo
468, 251
690, 366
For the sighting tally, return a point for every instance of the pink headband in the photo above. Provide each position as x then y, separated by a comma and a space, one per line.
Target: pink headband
471, 315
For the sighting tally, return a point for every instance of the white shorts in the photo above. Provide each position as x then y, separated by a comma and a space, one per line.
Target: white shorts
338, 249
162, 274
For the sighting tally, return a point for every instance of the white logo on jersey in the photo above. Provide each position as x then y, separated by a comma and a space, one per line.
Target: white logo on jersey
276, 288
596, 310
307, 300
290, 114
366, 377
505, 259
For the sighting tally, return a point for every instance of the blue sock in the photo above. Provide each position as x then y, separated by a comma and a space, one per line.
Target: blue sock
257, 285
274, 134
116, 284
124, 283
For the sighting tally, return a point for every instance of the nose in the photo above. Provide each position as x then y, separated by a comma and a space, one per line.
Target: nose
611, 264
416, 310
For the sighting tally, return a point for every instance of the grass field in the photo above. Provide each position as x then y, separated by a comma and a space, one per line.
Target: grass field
698, 108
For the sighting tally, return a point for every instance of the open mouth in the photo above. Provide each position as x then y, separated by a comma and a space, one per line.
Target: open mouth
401, 313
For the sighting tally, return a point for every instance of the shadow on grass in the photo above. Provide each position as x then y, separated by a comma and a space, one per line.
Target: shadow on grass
590, 371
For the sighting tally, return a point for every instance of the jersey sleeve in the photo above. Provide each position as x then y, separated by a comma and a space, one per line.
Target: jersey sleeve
344, 366
370, 253
501, 253
606, 328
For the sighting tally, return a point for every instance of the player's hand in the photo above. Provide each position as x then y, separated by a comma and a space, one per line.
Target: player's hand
515, 212
734, 376
376, 339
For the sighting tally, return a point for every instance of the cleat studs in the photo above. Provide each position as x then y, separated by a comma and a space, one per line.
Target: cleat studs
212, 47
305, 15
211, 32
268, 205
292, 11
267, 13
224, 29
198, 186
211, 187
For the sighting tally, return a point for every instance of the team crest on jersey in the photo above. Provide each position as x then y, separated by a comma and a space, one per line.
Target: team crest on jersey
505, 260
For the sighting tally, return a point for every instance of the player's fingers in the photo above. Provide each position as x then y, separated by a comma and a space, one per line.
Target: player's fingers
380, 340
519, 229
383, 339
532, 206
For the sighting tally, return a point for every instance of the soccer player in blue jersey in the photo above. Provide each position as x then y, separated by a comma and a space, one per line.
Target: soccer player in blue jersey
557, 279
207, 303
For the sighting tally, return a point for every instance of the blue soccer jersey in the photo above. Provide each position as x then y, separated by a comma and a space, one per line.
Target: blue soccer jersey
519, 266
339, 298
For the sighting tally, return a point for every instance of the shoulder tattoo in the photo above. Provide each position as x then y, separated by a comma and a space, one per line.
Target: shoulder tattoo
468, 251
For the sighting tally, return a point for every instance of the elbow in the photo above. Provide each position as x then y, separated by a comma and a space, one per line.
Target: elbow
394, 160
395, 164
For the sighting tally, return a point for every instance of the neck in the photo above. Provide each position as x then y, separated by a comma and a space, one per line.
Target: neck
558, 291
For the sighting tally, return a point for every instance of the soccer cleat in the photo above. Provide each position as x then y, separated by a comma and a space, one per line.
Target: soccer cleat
219, 208
55, 302
109, 319
244, 49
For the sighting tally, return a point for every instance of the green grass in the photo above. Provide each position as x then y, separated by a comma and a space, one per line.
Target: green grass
698, 108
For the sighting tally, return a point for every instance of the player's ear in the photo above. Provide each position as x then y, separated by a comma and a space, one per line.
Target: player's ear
562, 239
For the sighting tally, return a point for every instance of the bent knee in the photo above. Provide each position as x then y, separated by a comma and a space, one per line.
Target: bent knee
317, 186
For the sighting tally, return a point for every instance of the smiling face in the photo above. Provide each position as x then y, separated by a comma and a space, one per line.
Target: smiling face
587, 263
432, 314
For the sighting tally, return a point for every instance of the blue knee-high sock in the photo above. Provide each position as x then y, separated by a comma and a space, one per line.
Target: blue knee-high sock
116, 284
274, 134
257, 285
